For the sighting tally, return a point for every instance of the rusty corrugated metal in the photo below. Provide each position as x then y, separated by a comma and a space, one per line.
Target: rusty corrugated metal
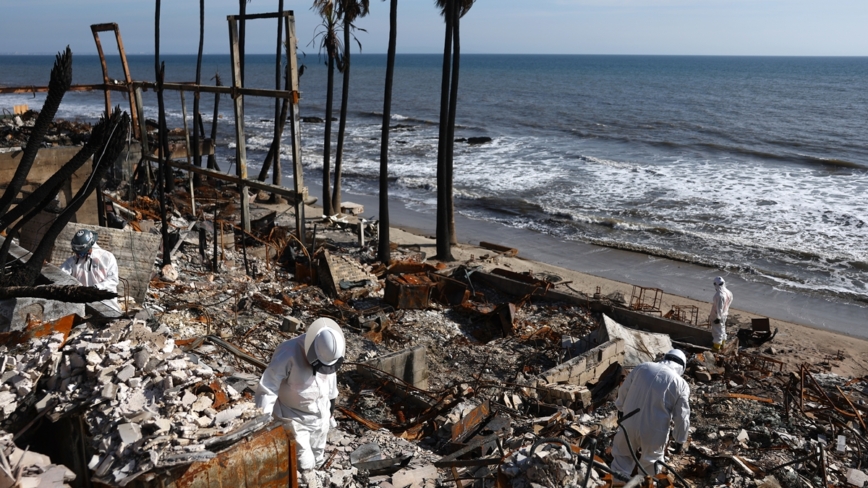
267, 459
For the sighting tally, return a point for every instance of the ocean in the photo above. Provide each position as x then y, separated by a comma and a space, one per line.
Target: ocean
753, 166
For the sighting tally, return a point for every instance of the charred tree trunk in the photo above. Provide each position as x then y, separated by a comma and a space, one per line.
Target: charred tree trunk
449, 160
384, 250
327, 140
443, 241
164, 167
342, 124
61, 79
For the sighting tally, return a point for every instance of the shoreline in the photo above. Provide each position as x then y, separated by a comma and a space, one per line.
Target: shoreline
675, 278
806, 334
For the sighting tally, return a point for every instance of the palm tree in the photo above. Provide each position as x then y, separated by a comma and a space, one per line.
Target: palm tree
331, 44
348, 11
452, 11
383, 248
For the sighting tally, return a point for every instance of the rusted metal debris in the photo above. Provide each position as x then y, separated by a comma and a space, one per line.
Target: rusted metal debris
646, 299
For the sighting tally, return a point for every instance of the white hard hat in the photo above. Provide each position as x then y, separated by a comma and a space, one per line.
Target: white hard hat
324, 343
676, 356
719, 281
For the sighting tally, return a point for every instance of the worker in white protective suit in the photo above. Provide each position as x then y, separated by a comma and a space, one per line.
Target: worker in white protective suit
299, 387
662, 396
719, 311
92, 265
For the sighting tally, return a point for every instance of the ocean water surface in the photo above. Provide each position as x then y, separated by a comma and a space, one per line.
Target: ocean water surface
757, 166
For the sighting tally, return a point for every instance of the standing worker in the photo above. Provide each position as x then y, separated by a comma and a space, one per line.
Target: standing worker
92, 265
662, 396
300, 388
719, 311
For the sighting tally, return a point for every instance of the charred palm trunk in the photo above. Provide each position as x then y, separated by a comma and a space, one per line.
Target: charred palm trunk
61, 79
327, 140
443, 241
342, 124
28, 274
450, 129
164, 166
384, 252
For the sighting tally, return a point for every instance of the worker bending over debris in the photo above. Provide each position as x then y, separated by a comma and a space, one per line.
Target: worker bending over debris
719, 311
92, 265
300, 388
662, 396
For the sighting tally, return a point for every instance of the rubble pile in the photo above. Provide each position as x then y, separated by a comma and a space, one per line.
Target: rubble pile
15, 131
447, 377
21, 368
24, 469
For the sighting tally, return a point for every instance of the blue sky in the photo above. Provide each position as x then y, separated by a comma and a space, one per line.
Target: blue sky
713, 27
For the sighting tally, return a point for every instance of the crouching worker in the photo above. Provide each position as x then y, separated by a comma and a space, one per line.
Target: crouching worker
300, 388
92, 265
662, 396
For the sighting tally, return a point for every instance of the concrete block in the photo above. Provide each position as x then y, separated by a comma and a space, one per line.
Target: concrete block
410, 365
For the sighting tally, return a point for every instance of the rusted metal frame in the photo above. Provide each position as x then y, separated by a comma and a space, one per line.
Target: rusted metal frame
462, 429
231, 178
829, 400
240, 141
220, 89
855, 410
127, 87
95, 30
17, 90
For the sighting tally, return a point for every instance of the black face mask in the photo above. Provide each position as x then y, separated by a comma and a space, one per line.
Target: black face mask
319, 367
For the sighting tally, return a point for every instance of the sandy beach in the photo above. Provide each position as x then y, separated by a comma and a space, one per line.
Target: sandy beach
809, 330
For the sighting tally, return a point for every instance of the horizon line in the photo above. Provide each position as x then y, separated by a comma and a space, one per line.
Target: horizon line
494, 54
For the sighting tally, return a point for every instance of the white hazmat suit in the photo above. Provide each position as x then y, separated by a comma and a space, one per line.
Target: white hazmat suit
719, 311
98, 268
295, 394
662, 396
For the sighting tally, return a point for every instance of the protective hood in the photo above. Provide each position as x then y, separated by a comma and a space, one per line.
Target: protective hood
674, 366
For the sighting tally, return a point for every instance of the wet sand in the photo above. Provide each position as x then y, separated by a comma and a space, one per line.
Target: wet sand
673, 277
811, 329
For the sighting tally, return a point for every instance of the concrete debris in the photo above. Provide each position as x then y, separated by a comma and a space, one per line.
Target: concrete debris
23, 468
461, 374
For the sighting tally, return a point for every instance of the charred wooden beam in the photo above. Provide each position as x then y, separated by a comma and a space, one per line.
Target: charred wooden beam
60, 293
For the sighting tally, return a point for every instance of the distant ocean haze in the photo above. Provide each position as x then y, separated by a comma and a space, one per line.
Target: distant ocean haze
754, 165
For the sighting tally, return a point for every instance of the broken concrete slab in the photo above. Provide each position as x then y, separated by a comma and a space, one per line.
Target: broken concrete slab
639, 346
15, 312
410, 365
